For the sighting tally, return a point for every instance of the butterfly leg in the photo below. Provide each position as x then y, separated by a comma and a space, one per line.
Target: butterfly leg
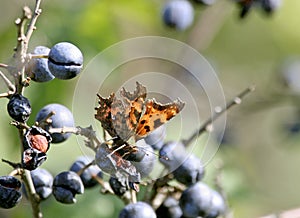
117, 149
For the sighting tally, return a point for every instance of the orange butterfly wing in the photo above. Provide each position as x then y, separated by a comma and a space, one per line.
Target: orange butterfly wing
157, 114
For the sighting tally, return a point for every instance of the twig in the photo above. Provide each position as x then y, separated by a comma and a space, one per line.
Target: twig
6, 94
38, 56
220, 189
45, 121
93, 142
202, 34
12, 164
106, 187
8, 83
3, 65
20, 125
32, 195
20, 50
31, 26
85, 167
22, 45
218, 112
293, 213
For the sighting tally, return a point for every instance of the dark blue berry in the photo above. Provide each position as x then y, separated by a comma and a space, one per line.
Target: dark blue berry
156, 138
190, 171
42, 181
63, 117
196, 200
178, 14
289, 73
146, 165
19, 108
137, 210
10, 194
65, 60
87, 176
169, 209
217, 206
172, 154
66, 185
270, 6
38, 67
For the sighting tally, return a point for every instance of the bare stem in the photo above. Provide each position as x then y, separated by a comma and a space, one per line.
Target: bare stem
202, 34
6, 94
3, 65
32, 196
106, 187
85, 167
38, 56
32, 27
92, 141
8, 83
218, 112
220, 189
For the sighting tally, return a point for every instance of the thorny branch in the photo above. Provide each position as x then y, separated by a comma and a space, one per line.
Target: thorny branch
218, 112
20, 82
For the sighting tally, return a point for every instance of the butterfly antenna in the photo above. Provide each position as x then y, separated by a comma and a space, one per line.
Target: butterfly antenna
152, 152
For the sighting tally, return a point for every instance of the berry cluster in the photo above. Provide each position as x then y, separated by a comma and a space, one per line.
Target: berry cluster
63, 61
268, 6
179, 14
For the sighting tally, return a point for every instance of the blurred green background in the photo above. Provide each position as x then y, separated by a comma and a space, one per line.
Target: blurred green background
261, 156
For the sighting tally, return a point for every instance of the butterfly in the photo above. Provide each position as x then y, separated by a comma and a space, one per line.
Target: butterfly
132, 116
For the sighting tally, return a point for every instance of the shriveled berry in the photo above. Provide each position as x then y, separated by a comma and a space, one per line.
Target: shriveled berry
63, 117
37, 138
66, 185
190, 171
10, 194
87, 176
42, 181
37, 68
137, 210
156, 138
196, 200
178, 14
65, 60
19, 108
120, 184
169, 209
32, 158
